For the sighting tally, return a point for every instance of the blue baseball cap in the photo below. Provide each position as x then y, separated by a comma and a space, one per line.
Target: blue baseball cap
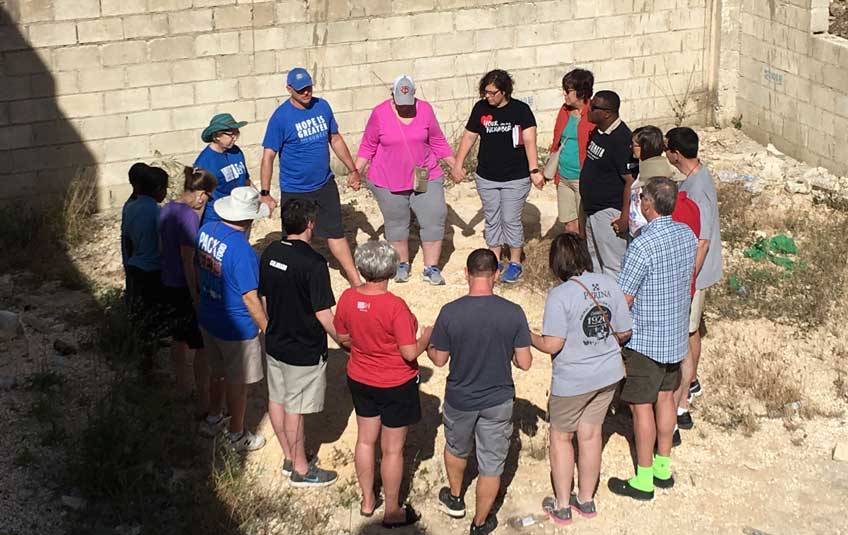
298, 78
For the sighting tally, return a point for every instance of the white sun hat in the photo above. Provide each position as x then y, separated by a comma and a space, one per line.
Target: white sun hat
241, 204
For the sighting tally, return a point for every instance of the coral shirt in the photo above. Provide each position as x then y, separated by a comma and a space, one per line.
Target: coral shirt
584, 131
377, 325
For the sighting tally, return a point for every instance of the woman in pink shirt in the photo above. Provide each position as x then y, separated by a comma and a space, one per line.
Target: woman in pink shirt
404, 143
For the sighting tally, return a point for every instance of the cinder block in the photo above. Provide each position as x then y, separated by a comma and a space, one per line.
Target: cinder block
245, 41
475, 19
95, 31
233, 66
76, 9
270, 39
515, 58
558, 54
121, 7
176, 142
148, 75
171, 96
216, 3
32, 110
216, 91
618, 25
430, 23
101, 79
168, 5
357, 30
263, 14
196, 117
124, 53
377, 51
494, 39
127, 100
85, 105
452, 43
27, 62
240, 16
53, 34
78, 57
193, 70
127, 148
195, 20
155, 25
35, 11
538, 34
288, 11
171, 48
618, 69
215, 44
819, 19
149, 122
109, 126
434, 67
412, 6
261, 86
405, 48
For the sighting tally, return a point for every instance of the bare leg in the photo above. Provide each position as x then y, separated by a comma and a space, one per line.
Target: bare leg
277, 415
497, 251
688, 371
202, 383
432, 252
237, 405
391, 470
487, 491
645, 429
295, 437
666, 418
562, 464
589, 463
341, 251
515, 254
179, 360
217, 392
367, 431
455, 467
402, 247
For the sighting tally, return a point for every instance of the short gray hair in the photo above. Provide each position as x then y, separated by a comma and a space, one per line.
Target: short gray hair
663, 192
376, 260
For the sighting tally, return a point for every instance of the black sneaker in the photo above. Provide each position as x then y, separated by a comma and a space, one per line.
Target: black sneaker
450, 504
288, 466
314, 477
488, 526
695, 388
675, 439
622, 488
561, 516
586, 509
684, 421
664, 483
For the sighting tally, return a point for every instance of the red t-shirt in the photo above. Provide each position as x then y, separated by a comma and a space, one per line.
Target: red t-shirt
377, 325
686, 211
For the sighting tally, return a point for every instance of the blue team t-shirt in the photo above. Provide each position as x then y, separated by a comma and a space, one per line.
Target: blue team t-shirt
140, 233
229, 168
301, 138
229, 268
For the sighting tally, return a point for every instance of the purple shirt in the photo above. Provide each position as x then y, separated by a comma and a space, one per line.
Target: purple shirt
178, 225
395, 148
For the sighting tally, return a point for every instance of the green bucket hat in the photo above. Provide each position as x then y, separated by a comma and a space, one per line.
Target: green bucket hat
218, 123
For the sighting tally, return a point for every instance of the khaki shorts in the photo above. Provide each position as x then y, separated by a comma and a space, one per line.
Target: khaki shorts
566, 412
300, 389
696, 310
646, 378
238, 361
568, 200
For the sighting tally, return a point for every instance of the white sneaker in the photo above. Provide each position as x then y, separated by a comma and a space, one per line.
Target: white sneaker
247, 442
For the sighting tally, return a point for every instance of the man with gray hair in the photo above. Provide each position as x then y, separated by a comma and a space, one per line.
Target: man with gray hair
656, 277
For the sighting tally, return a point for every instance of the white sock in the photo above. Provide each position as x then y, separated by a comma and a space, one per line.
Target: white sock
681, 411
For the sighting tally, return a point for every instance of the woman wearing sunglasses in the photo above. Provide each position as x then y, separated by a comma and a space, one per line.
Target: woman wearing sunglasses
223, 159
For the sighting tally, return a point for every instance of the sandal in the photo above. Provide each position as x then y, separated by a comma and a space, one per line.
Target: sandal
411, 518
377, 504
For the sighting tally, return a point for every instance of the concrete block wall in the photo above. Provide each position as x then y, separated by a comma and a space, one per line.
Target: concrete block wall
793, 81
100, 84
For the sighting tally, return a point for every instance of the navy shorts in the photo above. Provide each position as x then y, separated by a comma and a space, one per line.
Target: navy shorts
328, 221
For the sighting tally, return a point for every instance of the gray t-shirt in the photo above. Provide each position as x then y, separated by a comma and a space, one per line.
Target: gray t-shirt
700, 188
481, 334
591, 356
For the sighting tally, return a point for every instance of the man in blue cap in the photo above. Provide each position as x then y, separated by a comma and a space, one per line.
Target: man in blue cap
300, 130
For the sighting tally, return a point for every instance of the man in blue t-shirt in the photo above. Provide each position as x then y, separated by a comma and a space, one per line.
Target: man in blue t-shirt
230, 313
300, 130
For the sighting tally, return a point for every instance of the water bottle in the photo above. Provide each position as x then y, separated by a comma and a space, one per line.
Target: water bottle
526, 521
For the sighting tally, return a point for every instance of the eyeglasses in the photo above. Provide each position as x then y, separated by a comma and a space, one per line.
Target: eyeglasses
491, 93
232, 133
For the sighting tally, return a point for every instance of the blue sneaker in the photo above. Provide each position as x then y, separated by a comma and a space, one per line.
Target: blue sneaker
433, 276
402, 274
512, 273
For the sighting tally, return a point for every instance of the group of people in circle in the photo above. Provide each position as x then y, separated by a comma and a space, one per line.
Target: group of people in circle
638, 247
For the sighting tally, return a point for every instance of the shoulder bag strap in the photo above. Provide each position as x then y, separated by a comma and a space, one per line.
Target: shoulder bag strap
598, 305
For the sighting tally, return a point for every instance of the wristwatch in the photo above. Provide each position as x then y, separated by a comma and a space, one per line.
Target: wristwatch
534, 170
264, 193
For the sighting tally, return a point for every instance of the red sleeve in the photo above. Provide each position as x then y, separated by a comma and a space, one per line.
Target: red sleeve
584, 132
404, 325
559, 126
342, 313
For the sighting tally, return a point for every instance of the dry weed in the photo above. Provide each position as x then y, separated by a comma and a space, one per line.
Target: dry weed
79, 205
537, 275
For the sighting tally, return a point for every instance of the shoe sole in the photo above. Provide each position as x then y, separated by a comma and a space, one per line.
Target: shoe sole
686, 427
584, 515
510, 281
425, 279
451, 512
558, 521
663, 483
307, 484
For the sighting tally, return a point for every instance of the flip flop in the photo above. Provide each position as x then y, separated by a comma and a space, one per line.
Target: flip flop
411, 518
377, 504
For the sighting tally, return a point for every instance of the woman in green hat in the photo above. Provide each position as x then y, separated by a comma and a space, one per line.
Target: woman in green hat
222, 158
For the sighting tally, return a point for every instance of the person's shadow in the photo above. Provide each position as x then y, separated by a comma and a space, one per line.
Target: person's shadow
327, 426
619, 421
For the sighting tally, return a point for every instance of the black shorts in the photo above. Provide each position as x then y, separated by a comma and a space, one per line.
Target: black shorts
328, 222
182, 319
646, 378
144, 298
397, 406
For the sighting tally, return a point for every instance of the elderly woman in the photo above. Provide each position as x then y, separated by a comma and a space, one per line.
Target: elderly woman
586, 319
222, 158
507, 164
649, 148
382, 375
404, 144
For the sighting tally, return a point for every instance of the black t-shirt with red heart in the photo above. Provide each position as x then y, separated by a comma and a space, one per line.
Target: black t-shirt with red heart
501, 157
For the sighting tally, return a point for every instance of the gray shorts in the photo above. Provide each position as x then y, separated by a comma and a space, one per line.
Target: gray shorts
503, 203
429, 207
238, 361
300, 389
605, 247
490, 428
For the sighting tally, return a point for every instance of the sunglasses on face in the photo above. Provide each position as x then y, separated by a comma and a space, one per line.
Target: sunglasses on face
594, 107
307, 89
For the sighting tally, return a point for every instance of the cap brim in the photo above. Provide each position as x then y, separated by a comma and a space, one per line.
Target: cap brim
225, 208
405, 100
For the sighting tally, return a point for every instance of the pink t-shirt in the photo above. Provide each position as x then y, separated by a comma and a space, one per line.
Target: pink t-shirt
391, 161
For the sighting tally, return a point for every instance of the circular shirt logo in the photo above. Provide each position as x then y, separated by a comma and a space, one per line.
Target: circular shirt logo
594, 324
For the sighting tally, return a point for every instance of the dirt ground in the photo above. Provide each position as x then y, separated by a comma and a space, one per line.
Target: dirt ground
778, 478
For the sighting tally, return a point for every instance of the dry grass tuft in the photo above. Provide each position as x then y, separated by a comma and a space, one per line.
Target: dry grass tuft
537, 275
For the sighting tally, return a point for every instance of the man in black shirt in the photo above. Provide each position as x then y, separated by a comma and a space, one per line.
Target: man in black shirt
294, 282
605, 184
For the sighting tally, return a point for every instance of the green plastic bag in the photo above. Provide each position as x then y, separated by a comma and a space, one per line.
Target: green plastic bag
773, 249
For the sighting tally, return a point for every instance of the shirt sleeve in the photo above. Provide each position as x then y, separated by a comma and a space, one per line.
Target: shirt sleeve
246, 271
621, 155
621, 318
274, 133
404, 325
555, 322
340, 318
320, 289
522, 331
437, 141
635, 267
187, 230
699, 196
473, 124
439, 337
529, 120
331, 119
371, 137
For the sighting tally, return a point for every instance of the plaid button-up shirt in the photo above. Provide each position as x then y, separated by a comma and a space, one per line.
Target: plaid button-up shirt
657, 270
